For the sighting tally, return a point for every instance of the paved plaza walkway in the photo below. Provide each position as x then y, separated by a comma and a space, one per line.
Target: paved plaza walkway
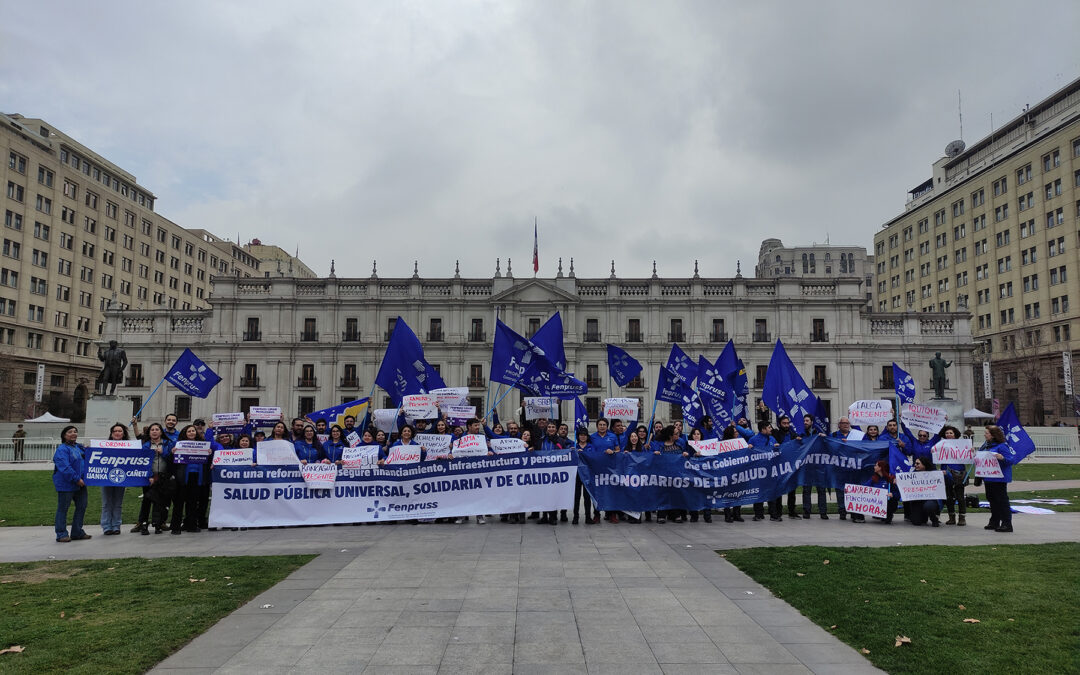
531, 598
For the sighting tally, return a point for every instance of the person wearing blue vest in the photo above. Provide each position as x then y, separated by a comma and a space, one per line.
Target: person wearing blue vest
69, 470
997, 489
603, 439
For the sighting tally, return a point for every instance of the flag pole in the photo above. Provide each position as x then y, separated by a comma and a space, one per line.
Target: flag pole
136, 415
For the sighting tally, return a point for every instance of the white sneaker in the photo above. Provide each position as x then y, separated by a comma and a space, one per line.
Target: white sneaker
480, 520
460, 521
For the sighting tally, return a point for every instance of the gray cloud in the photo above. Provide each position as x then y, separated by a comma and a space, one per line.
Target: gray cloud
438, 131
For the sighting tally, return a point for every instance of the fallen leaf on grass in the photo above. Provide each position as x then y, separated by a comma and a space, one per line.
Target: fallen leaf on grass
922, 581
15, 649
799, 574
226, 577
267, 606
61, 615
864, 650
972, 621
16, 604
196, 581
961, 607
832, 626
825, 562
902, 640
723, 555
97, 595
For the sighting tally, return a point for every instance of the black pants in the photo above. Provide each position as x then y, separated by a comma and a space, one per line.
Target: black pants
202, 505
791, 502
759, 509
998, 495
954, 492
923, 510
822, 503
185, 507
579, 492
776, 507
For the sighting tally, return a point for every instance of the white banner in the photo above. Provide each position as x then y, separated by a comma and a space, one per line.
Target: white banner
319, 476
987, 466
732, 444
923, 417
264, 413
276, 453
953, 451
234, 457
1066, 372
459, 414
118, 445
403, 454
621, 409
506, 446
706, 448
266, 496
917, 485
385, 419
540, 407
870, 501
450, 396
363, 457
420, 406
471, 445
437, 446
988, 389
873, 411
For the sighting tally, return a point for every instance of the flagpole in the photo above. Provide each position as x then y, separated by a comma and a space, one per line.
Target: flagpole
136, 415
499, 400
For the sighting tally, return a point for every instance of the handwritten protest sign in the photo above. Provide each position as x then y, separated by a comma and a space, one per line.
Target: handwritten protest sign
275, 453
437, 446
449, 396
385, 419
856, 435
507, 446
228, 422
953, 451
403, 454
191, 452
870, 501
471, 445
706, 448
540, 407
319, 476
459, 414
732, 444
363, 457
987, 466
234, 457
916, 485
264, 415
923, 417
352, 439
621, 408
873, 411
420, 406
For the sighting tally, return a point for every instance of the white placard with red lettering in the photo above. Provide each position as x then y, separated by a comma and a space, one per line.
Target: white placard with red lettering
917, 485
117, 445
403, 454
363, 457
873, 411
621, 409
420, 406
449, 396
866, 500
953, 451
507, 446
923, 417
732, 445
275, 453
706, 448
319, 476
437, 446
471, 445
234, 457
987, 466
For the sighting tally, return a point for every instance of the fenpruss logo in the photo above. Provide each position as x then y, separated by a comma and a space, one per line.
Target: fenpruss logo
117, 475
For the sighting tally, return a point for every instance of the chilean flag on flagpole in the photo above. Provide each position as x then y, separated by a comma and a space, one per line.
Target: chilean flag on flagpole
536, 250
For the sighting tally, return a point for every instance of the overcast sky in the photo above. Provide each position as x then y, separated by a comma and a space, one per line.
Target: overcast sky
636, 131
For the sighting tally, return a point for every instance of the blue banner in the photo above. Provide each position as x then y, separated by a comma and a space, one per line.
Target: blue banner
117, 466
191, 376
632, 481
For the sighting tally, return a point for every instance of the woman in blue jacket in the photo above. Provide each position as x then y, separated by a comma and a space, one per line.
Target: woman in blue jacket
308, 448
189, 479
335, 445
69, 469
886, 481
162, 482
997, 489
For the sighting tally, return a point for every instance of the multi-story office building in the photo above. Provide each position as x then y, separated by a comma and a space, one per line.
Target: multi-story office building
1000, 221
306, 344
275, 261
821, 261
80, 233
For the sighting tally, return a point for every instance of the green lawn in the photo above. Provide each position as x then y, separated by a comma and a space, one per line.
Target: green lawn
1026, 599
29, 498
1025, 471
123, 615
1073, 495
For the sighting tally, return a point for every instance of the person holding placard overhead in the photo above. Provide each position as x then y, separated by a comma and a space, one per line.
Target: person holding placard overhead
956, 476
997, 489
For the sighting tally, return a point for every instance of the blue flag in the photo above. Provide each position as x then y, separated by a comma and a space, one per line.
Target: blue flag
519, 362
403, 370
733, 370
621, 366
904, 384
1015, 435
785, 392
671, 387
550, 339
692, 411
191, 376
338, 413
581, 416
714, 392
898, 461
681, 364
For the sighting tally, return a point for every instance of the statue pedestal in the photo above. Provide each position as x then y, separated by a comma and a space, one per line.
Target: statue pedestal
954, 409
104, 411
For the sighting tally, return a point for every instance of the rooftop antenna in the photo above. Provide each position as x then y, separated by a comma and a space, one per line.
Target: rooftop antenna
960, 112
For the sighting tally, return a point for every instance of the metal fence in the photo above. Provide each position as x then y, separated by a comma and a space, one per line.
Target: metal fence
34, 449
1055, 441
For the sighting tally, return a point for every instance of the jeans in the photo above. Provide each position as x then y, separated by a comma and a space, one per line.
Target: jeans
63, 502
822, 504
112, 507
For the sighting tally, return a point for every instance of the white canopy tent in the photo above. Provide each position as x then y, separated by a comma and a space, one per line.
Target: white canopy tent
976, 414
47, 418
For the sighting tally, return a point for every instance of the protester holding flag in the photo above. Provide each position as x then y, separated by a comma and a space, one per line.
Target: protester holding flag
997, 489
783, 433
923, 510
112, 496
956, 476
162, 482
69, 470
892, 433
